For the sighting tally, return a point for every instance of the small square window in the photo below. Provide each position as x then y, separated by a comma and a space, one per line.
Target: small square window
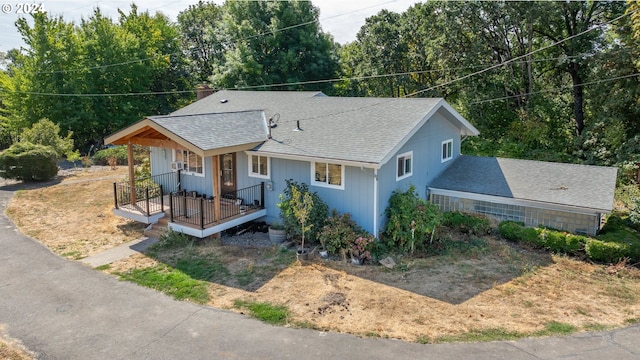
404, 165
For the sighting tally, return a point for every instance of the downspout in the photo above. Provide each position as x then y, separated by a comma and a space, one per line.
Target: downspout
375, 203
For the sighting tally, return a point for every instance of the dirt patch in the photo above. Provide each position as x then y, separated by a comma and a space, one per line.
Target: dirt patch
476, 284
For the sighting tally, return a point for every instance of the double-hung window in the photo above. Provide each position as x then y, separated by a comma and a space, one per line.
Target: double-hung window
259, 166
327, 175
193, 163
447, 150
404, 165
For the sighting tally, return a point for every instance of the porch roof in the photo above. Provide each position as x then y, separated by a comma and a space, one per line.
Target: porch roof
207, 134
582, 186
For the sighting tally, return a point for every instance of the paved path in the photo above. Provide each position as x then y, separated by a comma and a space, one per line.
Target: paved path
62, 309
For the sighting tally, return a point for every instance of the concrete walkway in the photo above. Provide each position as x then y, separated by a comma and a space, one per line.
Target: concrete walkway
119, 252
63, 309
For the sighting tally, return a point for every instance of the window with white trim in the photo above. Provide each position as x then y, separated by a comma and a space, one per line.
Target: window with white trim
447, 150
193, 163
404, 165
327, 175
259, 166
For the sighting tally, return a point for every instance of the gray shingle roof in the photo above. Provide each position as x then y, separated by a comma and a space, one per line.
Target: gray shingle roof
231, 128
582, 186
365, 130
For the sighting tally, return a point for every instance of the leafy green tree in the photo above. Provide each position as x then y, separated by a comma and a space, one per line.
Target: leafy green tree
275, 42
202, 38
46, 133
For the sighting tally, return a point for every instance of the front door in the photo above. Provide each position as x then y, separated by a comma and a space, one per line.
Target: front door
228, 172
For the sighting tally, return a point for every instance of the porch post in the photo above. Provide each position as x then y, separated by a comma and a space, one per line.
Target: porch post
217, 189
132, 173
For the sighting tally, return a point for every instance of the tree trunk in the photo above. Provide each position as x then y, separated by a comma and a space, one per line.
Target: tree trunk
578, 97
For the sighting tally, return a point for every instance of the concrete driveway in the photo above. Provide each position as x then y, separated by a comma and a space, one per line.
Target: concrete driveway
62, 309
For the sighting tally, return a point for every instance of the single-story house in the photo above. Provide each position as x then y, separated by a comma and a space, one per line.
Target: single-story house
224, 160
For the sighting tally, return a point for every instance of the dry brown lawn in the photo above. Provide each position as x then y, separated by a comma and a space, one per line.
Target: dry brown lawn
484, 286
73, 215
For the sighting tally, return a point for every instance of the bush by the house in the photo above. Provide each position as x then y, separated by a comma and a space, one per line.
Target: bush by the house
560, 242
467, 223
28, 162
317, 215
340, 232
517, 232
411, 221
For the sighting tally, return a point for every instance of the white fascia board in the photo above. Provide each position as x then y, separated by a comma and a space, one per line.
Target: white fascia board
368, 165
518, 202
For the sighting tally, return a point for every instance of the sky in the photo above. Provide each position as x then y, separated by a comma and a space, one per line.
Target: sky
340, 18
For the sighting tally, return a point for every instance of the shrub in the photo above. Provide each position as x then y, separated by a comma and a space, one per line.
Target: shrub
28, 162
339, 232
560, 242
46, 133
510, 230
606, 252
119, 153
467, 223
411, 221
317, 215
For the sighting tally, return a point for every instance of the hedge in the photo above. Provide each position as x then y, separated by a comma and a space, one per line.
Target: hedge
562, 242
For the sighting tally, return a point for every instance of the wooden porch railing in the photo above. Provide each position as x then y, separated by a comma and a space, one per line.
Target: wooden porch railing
199, 211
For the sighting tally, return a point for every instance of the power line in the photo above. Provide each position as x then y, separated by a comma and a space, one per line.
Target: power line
353, 78
272, 32
521, 56
556, 89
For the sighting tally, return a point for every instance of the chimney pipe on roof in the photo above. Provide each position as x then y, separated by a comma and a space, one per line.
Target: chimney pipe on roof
203, 91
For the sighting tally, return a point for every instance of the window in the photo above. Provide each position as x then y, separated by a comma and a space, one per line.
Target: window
447, 150
404, 165
327, 175
193, 163
259, 166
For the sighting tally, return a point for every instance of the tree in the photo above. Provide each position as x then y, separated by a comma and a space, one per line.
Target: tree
275, 42
202, 38
28, 162
46, 133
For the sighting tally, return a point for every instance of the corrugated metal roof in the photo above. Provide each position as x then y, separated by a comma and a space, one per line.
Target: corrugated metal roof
583, 186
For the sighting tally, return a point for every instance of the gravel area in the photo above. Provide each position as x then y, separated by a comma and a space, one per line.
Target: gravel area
248, 239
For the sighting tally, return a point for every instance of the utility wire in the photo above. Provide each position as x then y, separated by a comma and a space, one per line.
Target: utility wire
272, 32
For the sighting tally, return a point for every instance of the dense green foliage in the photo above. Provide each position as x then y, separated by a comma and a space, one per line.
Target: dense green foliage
411, 221
46, 133
467, 223
543, 80
316, 217
28, 162
615, 243
340, 232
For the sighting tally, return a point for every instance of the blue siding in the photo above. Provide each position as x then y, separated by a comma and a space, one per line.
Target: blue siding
161, 164
426, 145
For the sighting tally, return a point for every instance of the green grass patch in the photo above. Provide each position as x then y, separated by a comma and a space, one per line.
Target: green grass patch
170, 281
265, 312
484, 335
207, 269
556, 328
103, 267
244, 277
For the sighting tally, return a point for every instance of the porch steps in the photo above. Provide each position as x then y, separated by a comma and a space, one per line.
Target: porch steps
158, 228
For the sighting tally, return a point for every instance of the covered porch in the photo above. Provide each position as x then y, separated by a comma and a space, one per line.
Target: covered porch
199, 210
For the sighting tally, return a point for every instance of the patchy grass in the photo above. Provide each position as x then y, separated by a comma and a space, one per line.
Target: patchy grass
265, 312
170, 281
470, 288
13, 350
74, 217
